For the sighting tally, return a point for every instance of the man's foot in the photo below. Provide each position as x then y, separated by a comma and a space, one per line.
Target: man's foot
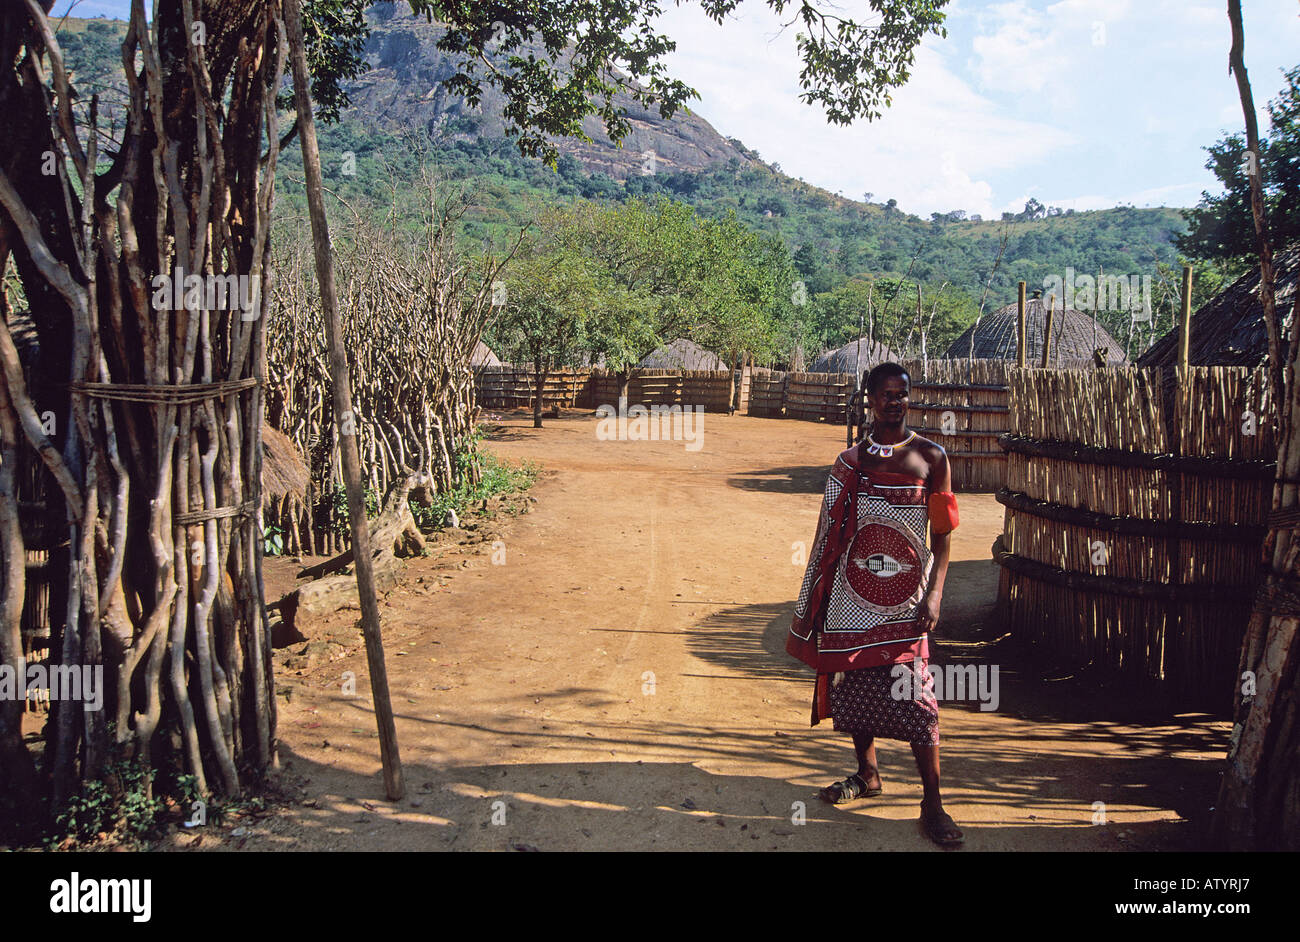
851, 789
940, 827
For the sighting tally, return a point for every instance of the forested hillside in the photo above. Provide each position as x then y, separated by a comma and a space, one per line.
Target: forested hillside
400, 119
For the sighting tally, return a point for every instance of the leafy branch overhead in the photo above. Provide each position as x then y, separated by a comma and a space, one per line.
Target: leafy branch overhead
558, 62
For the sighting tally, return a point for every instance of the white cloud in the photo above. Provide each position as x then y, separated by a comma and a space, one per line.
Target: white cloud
955, 188
930, 150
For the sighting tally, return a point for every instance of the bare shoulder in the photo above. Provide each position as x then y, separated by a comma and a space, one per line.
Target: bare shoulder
932, 451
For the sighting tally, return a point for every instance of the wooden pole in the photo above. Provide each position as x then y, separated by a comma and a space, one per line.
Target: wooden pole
1185, 320
1021, 352
857, 354
343, 414
1047, 330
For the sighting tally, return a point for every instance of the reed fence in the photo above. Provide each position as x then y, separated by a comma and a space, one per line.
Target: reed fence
1136, 505
510, 387
711, 389
767, 393
818, 397
962, 405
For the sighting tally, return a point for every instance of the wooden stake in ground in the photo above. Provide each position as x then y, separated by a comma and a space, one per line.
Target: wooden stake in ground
1185, 320
343, 414
1259, 802
1021, 337
1047, 329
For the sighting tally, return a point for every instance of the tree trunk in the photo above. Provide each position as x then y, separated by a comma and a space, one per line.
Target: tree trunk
539, 384
624, 387
1259, 799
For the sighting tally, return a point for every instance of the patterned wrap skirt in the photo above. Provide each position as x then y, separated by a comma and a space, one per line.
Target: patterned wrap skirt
863, 702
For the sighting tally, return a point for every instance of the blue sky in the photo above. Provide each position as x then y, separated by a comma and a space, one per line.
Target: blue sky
1079, 103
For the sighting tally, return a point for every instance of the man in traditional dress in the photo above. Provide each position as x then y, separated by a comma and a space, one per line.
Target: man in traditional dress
871, 596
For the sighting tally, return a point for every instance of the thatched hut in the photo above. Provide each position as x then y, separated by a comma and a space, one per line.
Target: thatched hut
284, 474
682, 354
286, 482
854, 357
1075, 336
483, 356
1228, 330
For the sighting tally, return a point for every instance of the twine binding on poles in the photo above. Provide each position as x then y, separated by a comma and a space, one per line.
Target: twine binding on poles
1278, 595
214, 513
164, 395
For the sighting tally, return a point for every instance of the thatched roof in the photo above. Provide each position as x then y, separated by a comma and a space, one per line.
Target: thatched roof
283, 470
682, 354
845, 359
1228, 330
483, 356
1074, 336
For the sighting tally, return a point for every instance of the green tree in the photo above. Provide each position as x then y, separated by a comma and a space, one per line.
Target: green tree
549, 293
1221, 227
652, 261
747, 288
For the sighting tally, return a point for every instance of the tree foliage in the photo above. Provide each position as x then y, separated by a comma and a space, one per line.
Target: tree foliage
1221, 227
560, 61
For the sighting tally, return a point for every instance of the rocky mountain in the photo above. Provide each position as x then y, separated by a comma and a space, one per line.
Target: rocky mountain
403, 89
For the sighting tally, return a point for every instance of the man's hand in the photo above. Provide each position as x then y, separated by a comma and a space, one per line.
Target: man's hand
927, 613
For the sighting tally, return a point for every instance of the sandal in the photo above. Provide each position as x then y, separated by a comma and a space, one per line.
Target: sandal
851, 789
941, 828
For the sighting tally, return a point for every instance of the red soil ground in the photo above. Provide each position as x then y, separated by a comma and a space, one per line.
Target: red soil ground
527, 717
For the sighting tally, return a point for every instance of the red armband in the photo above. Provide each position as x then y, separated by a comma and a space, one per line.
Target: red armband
943, 512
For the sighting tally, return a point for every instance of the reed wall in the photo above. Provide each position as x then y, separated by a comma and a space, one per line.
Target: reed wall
1135, 512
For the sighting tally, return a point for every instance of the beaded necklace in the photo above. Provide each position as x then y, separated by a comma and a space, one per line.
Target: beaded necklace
885, 451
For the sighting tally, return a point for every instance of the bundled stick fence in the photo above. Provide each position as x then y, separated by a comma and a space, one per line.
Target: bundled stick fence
1136, 507
153, 467
818, 397
767, 393
412, 312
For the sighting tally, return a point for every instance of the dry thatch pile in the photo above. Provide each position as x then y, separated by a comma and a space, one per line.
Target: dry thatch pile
1075, 336
1229, 329
284, 474
846, 359
682, 354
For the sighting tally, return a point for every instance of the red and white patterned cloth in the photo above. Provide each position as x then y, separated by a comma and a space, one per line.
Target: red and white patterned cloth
866, 576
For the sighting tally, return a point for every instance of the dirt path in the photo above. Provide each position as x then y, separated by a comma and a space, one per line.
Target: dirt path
620, 682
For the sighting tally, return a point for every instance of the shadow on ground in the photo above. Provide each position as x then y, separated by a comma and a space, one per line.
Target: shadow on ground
646, 805
801, 479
